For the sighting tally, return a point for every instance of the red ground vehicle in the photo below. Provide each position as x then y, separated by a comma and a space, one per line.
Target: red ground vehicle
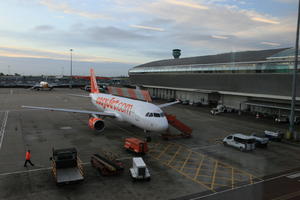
106, 166
136, 145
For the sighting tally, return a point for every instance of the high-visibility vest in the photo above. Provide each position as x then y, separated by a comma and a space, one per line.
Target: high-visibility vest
28, 155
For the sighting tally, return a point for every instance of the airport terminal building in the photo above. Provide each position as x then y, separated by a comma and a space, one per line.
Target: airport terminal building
258, 81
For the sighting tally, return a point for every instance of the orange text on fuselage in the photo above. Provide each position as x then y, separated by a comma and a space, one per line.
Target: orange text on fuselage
114, 104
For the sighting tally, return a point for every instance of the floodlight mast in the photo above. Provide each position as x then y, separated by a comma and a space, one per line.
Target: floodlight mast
292, 115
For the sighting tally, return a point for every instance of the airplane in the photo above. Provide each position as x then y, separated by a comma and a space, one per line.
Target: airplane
42, 85
144, 115
46, 85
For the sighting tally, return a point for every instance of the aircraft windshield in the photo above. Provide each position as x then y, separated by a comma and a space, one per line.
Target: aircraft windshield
154, 114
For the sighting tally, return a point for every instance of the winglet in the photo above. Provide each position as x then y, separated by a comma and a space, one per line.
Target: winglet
94, 86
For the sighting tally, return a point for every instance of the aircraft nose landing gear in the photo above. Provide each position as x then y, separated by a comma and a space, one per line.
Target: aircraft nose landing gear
148, 137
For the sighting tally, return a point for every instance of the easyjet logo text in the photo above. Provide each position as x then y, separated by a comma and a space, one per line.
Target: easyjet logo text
114, 104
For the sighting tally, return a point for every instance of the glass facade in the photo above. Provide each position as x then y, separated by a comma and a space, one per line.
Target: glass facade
269, 66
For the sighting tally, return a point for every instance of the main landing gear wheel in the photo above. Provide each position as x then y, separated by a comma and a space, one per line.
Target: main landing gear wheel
148, 138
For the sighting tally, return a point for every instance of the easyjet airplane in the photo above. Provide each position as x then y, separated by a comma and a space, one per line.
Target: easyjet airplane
144, 115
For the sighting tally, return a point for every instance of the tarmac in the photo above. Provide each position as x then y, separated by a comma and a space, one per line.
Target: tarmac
200, 167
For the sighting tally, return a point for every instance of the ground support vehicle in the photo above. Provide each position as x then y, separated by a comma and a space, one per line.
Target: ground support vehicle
282, 119
185, 102
185, 130
66, 166
87, 88
274, 136
139, 170
240, 141
106, 166
136, 145
260, 141
220, 109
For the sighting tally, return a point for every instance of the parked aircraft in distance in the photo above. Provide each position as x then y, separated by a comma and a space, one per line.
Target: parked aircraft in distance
144, 115
43, 85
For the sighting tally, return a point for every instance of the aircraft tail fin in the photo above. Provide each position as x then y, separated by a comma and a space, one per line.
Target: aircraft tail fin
94, 86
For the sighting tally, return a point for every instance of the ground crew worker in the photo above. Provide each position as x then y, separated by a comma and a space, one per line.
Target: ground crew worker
27, 159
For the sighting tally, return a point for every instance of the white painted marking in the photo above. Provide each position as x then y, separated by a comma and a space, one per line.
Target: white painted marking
66, 127
32, 170
294, 175
11, 91
24, 171
204, 147
2, 130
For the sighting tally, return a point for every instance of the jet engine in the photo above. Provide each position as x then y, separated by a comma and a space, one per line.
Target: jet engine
96, 124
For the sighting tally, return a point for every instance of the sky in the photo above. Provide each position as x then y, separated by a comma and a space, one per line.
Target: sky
115, 35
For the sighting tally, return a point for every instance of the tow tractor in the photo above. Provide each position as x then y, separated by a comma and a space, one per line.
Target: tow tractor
219, 109
139, 170
66, 166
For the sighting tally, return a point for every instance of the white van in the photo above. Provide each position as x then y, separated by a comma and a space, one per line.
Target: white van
240, 141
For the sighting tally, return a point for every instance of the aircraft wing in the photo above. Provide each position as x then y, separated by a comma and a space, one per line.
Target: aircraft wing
168, 104
52, 85
25, 84
36, 86
78, 95
104, 114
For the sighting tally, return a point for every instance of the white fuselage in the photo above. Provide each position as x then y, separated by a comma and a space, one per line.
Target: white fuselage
44, 84
141, 114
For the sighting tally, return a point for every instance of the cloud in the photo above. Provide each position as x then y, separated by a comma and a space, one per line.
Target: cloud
265, 20
45, 66
147, 28
66, 8
43, 28
287, 1
37, 53
79, 35
197, 27
235, 28
270, 43
112, 34
219, 37
222, 28
187, 4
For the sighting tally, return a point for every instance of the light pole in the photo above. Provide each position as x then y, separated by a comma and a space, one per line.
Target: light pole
71, 50
8, 69
292, 116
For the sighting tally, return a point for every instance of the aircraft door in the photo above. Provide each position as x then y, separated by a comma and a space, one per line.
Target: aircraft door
137, 117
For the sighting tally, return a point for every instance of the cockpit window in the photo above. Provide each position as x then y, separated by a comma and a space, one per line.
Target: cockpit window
156, 115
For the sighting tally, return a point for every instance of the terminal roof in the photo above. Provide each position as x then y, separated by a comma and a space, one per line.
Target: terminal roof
243, 56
